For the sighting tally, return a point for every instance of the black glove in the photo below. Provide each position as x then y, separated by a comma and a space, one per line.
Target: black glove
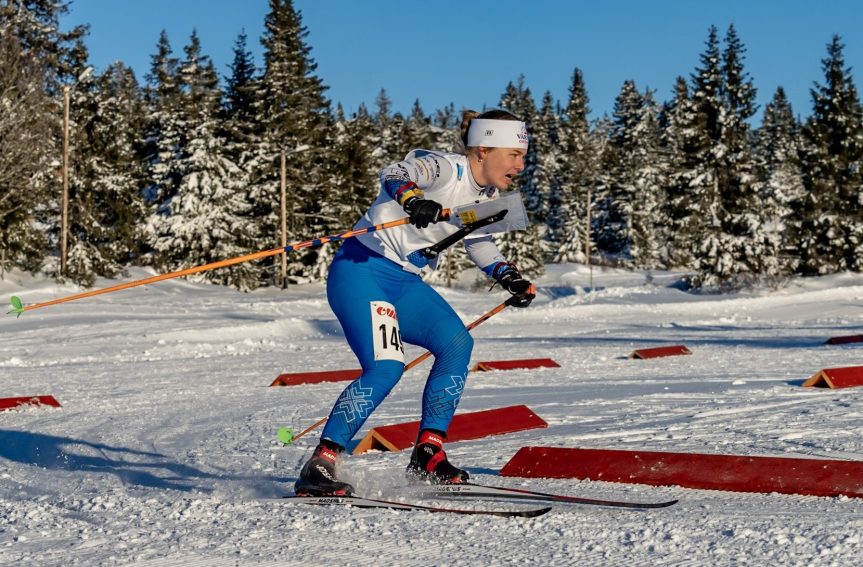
423, 211
521, 289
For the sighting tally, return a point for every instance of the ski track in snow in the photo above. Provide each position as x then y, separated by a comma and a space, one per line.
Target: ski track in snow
164, 452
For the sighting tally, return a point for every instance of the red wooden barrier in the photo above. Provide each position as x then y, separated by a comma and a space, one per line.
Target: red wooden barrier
10, 403
514, 364
812, 477
463, 427
836, 378
297, 378
847, 339
657, 352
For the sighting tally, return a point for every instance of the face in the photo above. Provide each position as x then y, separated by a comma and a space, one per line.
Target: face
500, 166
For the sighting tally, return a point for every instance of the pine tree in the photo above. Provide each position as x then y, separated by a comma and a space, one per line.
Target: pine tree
830, 216
683, 144
240, 127
163, 138
106, 206
388, 129
418, 131
32, 37
353, 176
25, 149
636, 179
206, 220
705, 235
781, 182
568, 211
294, 116
448, 121
750, 248
548, 173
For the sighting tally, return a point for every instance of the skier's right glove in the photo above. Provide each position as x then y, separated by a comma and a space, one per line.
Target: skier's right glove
521, 289
423, 212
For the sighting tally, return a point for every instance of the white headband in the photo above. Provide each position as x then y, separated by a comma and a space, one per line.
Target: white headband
493, 133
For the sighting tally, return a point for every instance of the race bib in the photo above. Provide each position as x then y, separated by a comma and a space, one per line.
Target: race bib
385, 332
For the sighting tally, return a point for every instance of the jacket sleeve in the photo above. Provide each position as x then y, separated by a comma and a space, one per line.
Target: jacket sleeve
410, 177
484, 253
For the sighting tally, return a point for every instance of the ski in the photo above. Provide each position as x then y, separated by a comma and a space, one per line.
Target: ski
359, 502
484, 491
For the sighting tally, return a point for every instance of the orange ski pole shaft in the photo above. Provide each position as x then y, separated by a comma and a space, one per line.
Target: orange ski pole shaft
419, 359
18, 308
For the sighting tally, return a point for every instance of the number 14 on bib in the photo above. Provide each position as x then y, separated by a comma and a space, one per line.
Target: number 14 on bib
385, 332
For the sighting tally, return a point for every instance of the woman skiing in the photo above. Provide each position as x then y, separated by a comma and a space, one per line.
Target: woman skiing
375, 289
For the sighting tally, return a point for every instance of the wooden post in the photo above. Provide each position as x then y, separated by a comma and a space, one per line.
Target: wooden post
284, 272
587, 236
64, 206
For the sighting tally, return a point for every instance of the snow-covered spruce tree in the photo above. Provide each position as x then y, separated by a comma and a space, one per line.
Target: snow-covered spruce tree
295, 117
25, 148
239, 127
681, 142
33, 39
163, 139
387, 129
350, 176
777, 154
547, 176
717, 169
753, 251
568, 205
206, 220
418, 130
107, 210
831, 228
448, 120
704, 235
636, 180
525, 248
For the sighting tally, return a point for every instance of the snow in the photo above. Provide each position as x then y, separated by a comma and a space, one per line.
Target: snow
165, 449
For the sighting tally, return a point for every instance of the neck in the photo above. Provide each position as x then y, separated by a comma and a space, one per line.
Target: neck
476, 169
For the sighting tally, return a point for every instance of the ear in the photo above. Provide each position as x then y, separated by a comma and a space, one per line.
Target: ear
481, 153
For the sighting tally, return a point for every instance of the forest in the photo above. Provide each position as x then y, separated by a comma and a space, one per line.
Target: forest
182, 167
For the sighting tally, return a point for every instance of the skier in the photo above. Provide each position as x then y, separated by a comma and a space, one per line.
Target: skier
375, 289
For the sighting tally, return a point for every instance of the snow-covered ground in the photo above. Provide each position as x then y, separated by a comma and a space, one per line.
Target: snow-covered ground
164, 452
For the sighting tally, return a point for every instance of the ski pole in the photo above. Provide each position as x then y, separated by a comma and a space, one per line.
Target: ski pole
19, 308
423, 356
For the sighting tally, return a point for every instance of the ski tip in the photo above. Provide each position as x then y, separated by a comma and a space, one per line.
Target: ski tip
17, 307
532, 513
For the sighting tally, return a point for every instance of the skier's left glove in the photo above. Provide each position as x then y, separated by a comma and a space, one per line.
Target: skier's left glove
521, 289
423, 212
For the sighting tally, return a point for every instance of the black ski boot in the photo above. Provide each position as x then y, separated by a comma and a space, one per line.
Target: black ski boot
429, 463
318, 477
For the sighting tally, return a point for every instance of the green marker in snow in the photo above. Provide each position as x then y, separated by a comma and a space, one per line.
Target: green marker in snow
285, 435
17, 307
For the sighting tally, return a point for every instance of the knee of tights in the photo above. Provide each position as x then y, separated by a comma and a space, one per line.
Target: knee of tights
459, 347
384, 373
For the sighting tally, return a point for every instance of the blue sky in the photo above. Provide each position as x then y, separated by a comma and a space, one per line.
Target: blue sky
466, 52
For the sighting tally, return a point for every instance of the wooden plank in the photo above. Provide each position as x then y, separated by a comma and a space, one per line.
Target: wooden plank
657, 352
11, 403
847, 377
463, 427
526, 363
297, 378
847, 339
811, 477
